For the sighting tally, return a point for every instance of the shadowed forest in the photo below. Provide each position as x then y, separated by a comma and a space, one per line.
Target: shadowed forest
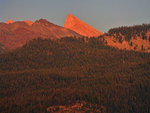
47, 72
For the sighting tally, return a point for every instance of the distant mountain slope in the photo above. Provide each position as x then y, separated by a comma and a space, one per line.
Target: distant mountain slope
130, 38
16, 34
81, 27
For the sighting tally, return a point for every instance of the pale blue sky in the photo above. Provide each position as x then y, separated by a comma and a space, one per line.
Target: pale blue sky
101, 14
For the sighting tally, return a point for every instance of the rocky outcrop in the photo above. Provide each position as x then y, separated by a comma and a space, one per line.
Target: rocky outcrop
9, 21
81, 27
28, 22
80, 107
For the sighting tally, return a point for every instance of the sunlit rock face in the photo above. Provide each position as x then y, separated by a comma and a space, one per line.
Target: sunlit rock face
28, 22
9, 21
81, 27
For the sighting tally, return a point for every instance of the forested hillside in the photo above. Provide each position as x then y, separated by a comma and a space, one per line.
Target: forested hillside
2, 48
46, 73
132, 31
130, 38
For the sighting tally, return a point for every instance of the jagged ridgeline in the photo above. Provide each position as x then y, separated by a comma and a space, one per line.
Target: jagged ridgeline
46, 74
16, 34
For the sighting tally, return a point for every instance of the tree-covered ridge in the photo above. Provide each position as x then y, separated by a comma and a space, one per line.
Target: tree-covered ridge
46, 73
42, 53
132, 31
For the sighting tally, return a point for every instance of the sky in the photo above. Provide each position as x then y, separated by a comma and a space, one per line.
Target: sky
100, 14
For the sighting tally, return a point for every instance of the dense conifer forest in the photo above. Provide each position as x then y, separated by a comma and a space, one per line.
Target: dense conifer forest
47, 72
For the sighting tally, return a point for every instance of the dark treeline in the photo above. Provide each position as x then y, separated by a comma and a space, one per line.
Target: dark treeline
132, 31
44, 73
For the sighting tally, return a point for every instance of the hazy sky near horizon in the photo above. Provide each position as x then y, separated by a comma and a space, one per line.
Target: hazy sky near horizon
101, 14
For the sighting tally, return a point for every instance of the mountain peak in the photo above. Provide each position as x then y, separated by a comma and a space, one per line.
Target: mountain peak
9, 21
44, 22
71, 15
81, 27
70, 21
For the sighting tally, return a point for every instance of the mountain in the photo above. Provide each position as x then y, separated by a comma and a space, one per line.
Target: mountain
135, 38
69, 74
81, 27
16, 34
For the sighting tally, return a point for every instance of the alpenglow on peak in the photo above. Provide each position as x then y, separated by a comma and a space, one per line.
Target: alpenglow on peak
81, 27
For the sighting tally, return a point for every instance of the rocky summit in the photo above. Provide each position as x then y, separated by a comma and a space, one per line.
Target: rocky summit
81, 27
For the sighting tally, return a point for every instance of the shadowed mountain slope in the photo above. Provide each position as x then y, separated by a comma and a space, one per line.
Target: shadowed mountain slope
16, 34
